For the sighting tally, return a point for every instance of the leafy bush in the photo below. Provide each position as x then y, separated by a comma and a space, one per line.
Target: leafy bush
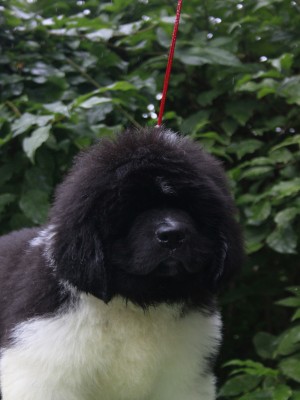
281, 380
71, 72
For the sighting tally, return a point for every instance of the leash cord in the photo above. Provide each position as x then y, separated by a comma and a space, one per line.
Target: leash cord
169, 64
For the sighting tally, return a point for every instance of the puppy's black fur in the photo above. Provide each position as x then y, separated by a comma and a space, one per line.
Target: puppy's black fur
114, 183
106, 219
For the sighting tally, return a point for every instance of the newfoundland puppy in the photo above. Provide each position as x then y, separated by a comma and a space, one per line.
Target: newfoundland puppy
114, 297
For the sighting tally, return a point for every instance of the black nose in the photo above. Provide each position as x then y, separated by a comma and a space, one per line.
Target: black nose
171, 235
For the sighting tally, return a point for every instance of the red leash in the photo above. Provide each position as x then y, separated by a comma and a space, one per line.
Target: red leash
169, 64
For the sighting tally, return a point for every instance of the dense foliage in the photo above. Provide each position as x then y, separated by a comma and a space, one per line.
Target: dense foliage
253, 380
73, 71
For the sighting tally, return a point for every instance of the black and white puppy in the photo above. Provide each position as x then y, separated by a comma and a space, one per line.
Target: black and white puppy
114, 298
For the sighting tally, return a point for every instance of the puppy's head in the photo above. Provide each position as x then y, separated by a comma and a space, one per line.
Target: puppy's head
147, 216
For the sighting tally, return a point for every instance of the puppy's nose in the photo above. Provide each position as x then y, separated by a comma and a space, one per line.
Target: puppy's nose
171, 235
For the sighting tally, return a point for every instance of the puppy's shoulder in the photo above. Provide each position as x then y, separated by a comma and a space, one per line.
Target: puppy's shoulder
14, 243
28, 286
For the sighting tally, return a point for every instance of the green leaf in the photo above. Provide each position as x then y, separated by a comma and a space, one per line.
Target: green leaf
289, 302
290, 89
256, 173
230, 126
283, 240
265, 3
120, 85
283, 156
268, 74
130, 28
38, 177
28, 120
5, 199
259, 212
42, 69
81, 99
287, 142
289, 341
206, 98
291, 367
264, 161
6, 139
255, 238
284, 62
247, 86
239, 384
286, 188
296, 395
251, 367
295, 290
200, 56
37, 138
266, 86
296, 315
98, 113
282, 392
189, 59
241, 111
265, 91
100, 34
6, 172
286, 216
214, 136
244, 147
34, 204
82, 142
57, 108
162, 37
265, 344
218, 56
258, 395
93, 101
195, 121
272, 389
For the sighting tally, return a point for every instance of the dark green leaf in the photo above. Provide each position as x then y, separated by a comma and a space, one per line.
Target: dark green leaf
290, 88
34, 204
286, 216
286, 188
282, 392
5, 199
296, 315
265, 344
239, 385
37, 138
259, 212
28, 120
289, 341
291, 367
245, 147
283, 240
195, 121
289, 302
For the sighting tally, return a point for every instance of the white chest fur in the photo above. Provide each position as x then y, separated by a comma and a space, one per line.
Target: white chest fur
96, 351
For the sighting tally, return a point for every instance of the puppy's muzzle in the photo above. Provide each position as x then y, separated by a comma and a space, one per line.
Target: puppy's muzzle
171, 235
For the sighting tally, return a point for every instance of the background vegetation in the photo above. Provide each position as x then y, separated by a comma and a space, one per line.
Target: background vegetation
73, 71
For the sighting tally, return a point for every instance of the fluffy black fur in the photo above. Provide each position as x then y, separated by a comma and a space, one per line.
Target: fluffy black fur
106, 216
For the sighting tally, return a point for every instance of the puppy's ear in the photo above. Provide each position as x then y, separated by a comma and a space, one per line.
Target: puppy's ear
229, 255
78, 256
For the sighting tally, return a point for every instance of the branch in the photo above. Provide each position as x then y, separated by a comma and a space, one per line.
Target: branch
13, 108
